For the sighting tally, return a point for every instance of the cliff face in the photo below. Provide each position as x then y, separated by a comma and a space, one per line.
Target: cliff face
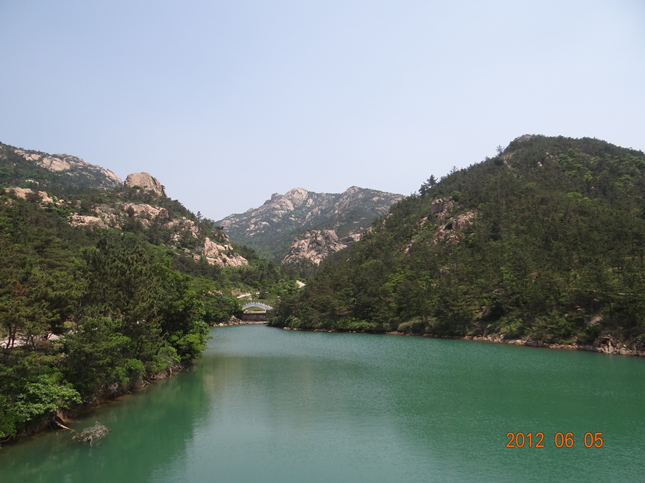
271, 228
313, 246
45, 170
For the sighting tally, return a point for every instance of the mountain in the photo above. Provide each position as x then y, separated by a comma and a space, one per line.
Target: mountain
29, 168
141, 206
545, 242
271, 228
53, 177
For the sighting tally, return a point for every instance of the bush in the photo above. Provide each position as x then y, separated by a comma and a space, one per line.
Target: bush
415, 326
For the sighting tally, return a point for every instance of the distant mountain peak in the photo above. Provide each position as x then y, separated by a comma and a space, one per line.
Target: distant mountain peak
271, 228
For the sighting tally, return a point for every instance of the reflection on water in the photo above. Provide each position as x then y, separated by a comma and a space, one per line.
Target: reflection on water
265, 405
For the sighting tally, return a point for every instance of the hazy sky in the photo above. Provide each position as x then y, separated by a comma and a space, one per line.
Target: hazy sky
228, 102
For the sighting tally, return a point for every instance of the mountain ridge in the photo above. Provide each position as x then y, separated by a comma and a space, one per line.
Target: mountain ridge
37, 168
272, 227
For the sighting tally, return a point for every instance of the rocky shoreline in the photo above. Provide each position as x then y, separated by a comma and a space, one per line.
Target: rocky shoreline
606, 344
235, 321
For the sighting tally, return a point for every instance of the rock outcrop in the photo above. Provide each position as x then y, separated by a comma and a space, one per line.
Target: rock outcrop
23, 192
86, 220
71, 168
145, 181
145, 210
222, 255
313, 246
441, 207
217, 251
451, 228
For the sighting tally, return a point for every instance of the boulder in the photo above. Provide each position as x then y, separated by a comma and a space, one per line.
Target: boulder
87, 221
23, 192
146, 182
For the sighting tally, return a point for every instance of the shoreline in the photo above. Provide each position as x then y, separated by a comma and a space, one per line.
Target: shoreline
238, 322
603, 345
235, 321
66, 416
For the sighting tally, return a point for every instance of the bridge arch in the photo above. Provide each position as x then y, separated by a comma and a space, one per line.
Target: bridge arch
259, 305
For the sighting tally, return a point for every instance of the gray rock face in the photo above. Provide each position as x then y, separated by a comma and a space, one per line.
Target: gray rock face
222, 255
314, 246
145, 181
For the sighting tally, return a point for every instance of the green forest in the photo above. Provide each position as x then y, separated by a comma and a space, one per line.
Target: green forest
545, 241
87, 312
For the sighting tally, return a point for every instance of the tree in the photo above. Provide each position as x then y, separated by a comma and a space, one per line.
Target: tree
428, 185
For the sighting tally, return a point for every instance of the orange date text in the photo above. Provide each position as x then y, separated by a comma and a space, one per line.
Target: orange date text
561, 440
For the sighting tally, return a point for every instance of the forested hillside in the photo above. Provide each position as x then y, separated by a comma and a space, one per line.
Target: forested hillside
545, 241
100, 288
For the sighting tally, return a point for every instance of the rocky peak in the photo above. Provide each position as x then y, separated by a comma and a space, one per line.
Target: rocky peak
522, 139
145, 181
65, 162
351, 190
297, 196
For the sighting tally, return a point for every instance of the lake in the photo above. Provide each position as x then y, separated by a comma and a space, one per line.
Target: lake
269, 405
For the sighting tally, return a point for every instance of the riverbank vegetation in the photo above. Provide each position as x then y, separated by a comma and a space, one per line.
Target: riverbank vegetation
544, 241
85, 312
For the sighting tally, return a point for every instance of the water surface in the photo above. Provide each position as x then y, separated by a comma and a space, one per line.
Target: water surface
267, 405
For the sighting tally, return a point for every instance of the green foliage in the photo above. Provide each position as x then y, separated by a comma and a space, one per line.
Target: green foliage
43, 396
120, 309
88, 312
555, 240
98, 355
415, 326
218, 307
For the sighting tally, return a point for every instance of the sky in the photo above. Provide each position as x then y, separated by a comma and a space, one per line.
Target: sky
228, 102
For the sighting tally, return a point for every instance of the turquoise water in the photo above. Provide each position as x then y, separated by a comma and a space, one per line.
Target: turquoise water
267, 405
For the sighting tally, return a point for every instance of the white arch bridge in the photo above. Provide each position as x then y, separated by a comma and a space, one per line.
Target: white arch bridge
259, 305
